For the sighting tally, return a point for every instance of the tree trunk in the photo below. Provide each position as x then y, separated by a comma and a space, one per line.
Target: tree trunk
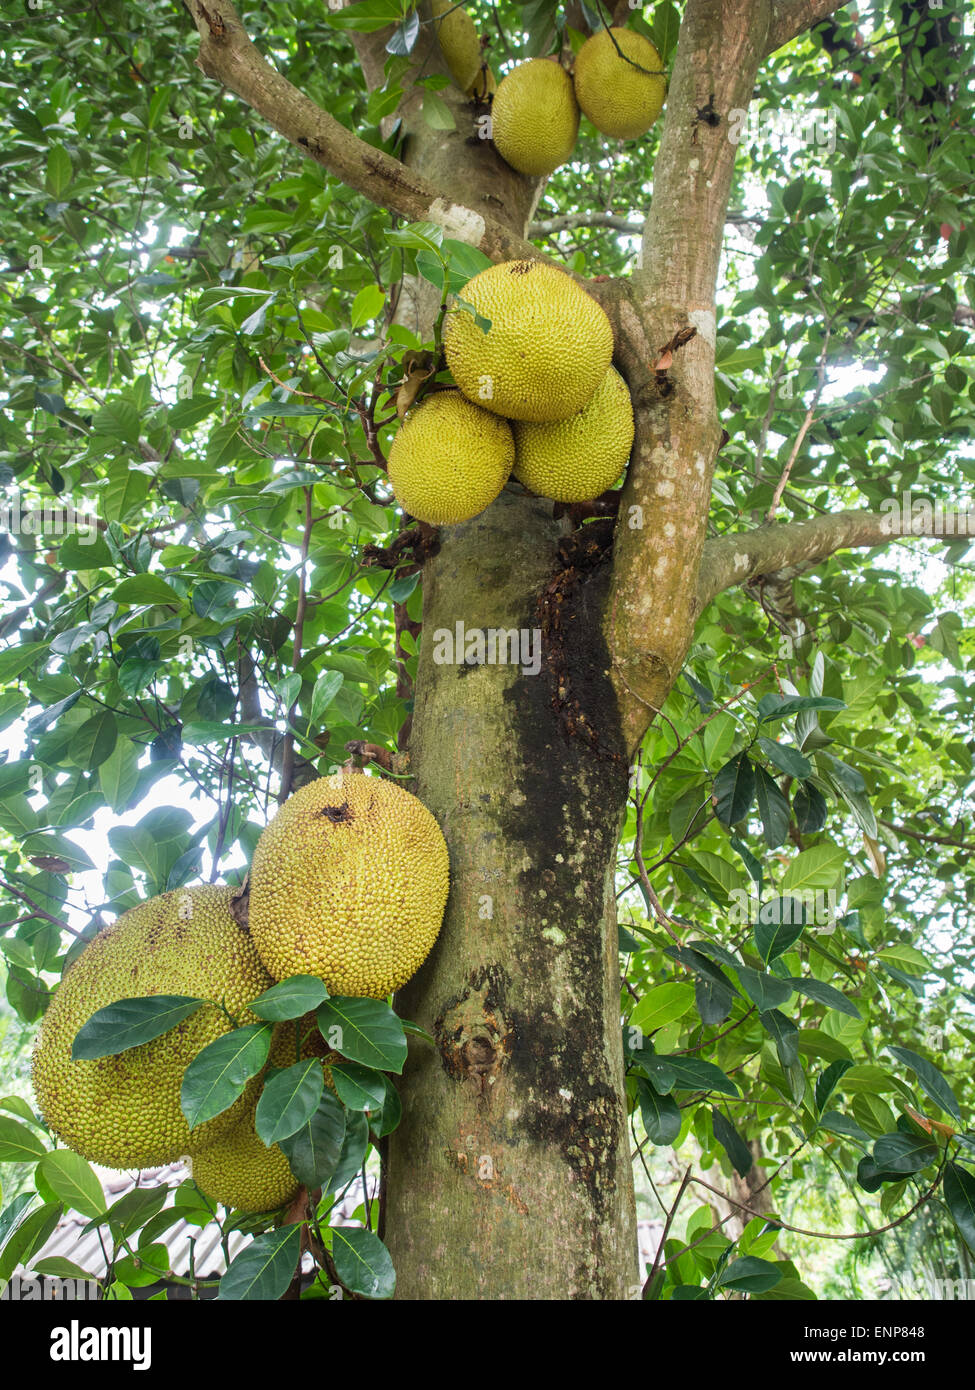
509, 1176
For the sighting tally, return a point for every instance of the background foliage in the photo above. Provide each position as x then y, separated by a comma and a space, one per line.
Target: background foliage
198, 337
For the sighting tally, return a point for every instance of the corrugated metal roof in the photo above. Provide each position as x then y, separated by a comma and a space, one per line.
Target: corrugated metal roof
184, 1241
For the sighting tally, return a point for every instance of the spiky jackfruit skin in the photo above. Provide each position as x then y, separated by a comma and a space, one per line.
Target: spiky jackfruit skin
621, 101
449, 459
548, 348
535, 117
349, 883
577, 459
240, 1170
458, 42
124, 1111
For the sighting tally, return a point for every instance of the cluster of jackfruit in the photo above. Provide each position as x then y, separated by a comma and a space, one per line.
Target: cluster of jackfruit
349, 883
536, 399
617, 81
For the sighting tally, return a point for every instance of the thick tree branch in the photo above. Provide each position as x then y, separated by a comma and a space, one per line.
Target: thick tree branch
793, 17
798, 545
228, 55
665, 500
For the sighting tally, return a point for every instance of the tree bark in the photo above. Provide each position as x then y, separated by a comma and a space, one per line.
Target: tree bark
509, 1176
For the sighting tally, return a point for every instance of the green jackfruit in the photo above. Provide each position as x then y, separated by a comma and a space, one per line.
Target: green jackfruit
461, 47
621, 95
535, 117
577, 459
349, 883
548, 348
124, 1111
449, 459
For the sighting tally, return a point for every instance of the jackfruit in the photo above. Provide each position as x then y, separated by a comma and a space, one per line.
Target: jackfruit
449, 459
459, 42
535, 117
349, 883
575, 460
621, 100
124, 1111
240, 1170
548, 348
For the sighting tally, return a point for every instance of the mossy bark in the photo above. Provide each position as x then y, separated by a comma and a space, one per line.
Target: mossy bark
509, 1176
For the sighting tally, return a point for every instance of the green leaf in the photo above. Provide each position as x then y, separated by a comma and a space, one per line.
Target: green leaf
131, 1212
364, 1030
130, 1022
355, 1146
817, 868
59, 171
932, 1083
367, 305
779, 926
692, 1074
362, 1262
290, 999
327, 686
959, 1190
391, 1112
190, 411
366, 16
734, 790
72, 1179
359, 1087
732, 1142
217, 1075
750, 1275
314, 1150
29, 1236
148, 1267
773, 809
781, 706
826, 1083
824, 994
785, 1034
118, 775
905, 956
437, 113
904, 1153
764, 990
145, 588
786, 759
18, 1144
58, 1268
810, 809
660, 1005
16, 1105
264, 1269
289, 1100
661, 1114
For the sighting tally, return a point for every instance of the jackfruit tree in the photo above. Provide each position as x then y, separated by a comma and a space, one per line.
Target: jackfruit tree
572, 512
